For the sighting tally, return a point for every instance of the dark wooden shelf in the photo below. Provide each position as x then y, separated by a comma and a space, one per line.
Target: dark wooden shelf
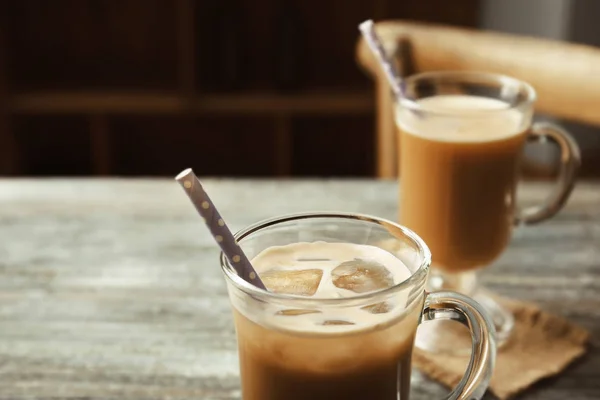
98, 102
330, 102
94, 103
109, 75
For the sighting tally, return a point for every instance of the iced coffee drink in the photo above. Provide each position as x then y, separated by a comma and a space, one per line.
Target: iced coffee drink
345, 294
352, 353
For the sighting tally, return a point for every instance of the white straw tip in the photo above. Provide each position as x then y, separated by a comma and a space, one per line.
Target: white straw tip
183, 174
366, 25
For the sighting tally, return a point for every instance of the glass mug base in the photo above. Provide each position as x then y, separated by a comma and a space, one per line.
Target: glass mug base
430, 335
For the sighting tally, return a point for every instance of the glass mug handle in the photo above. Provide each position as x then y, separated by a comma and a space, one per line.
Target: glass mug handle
456, 307
570, 161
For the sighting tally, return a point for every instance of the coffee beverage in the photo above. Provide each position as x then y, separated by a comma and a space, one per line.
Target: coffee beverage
323, 353
459, 163
345, 294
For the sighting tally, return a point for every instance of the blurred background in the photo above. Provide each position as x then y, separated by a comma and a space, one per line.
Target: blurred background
229, 87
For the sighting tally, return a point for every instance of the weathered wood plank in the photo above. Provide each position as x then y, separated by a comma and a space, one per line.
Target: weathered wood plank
110, 289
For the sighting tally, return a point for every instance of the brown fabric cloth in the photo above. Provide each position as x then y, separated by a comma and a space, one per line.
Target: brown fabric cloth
541, 345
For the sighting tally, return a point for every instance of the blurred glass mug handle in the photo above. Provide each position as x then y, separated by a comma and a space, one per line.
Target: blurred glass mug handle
570, 161
456, 307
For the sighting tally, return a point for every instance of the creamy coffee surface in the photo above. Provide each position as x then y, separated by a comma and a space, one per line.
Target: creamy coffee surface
320, 270
483, 119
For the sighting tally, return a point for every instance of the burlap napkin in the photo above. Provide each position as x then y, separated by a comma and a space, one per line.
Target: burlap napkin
542, 345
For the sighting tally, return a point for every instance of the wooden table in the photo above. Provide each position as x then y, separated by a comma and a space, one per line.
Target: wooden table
111, 289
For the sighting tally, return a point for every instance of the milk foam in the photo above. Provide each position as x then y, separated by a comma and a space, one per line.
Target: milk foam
462, 118
327, 256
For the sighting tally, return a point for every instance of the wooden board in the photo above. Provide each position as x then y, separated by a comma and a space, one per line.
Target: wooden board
111, 289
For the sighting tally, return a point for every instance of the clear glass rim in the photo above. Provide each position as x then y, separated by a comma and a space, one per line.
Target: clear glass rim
416, 276
470, 76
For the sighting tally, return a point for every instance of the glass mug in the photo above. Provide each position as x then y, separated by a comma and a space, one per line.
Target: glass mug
285, 357
461, 140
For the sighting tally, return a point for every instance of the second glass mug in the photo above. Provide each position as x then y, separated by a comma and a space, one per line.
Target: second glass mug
461, 140
285, 355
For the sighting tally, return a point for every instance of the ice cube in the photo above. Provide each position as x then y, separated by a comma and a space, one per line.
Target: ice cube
362, 276
298, 282
336, 322
378, 308
292, 312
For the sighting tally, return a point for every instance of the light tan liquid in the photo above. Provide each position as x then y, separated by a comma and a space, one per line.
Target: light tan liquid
329, 353
458, 177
